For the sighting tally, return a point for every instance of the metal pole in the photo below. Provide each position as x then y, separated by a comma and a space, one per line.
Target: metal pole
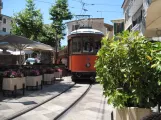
158, 107
56, 47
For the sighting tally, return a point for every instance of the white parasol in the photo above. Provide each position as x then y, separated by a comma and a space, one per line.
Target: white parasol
40, 46
17, 42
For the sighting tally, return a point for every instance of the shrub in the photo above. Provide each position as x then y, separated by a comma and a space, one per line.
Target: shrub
34, 73
129, 70
49, 71
10, 74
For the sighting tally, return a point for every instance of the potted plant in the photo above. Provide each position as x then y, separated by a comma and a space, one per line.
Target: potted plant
13, 81
34, 79
49, 75
58, 72
128, 67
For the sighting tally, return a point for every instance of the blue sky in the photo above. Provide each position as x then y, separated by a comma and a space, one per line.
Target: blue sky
107, 9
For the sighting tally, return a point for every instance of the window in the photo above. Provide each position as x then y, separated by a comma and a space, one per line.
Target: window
70, 47
97, 45
4, 20
75, 27
1, 17
149, 2
76, 45
88, 45
4, 29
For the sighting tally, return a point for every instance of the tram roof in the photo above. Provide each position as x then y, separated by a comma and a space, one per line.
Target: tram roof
92, 31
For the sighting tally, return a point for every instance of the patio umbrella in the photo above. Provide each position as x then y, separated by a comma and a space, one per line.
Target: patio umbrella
17, 42
40, 46
153, 19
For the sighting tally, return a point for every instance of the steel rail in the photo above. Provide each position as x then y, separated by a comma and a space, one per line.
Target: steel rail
73, 104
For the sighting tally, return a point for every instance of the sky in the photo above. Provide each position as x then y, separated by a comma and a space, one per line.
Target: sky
107, 9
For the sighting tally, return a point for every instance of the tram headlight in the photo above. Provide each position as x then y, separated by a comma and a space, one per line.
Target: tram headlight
88, 65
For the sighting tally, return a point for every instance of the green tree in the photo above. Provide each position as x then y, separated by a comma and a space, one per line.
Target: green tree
59, 12
48, 35
129, 68
28, 22
62, 47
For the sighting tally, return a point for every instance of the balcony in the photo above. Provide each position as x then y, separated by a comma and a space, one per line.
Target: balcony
136, 27
139, 27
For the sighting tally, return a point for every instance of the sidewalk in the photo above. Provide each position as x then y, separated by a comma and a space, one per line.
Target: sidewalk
10, 106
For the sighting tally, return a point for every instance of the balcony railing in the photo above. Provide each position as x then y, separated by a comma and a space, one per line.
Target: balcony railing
139, 27
136, 27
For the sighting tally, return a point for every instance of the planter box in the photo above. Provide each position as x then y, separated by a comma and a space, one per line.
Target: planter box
21, 82
33, 80
48, 77
58, 74
131, 113
9, 83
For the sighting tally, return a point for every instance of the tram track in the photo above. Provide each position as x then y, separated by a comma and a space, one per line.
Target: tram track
58, 115
73, 104
34, 107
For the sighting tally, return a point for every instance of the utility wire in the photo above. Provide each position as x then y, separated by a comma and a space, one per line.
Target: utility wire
54, 3
104, 4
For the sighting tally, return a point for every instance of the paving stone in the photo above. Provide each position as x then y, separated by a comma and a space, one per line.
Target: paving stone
10, 106
96, 109
29, 102
92, 107
4, 107
51, 115
39, 108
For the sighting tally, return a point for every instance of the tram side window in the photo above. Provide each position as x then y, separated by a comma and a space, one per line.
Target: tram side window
76, 46
87, 45
70, 47
97, 45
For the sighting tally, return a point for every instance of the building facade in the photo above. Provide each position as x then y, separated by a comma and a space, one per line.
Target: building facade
135, 14
94, 23
118, 26
1, 6
5, 23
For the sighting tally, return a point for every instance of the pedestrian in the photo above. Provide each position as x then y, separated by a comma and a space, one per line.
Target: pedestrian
153, 116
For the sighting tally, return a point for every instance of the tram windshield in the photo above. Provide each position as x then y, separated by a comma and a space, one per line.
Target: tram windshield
91, 45
85, 45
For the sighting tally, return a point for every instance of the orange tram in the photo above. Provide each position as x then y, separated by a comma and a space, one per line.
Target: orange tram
83, 45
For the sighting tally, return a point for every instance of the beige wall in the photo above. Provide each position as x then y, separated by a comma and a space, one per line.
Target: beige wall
96, 23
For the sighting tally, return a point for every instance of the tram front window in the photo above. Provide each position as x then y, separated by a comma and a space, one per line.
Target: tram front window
87, 45
76, 46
